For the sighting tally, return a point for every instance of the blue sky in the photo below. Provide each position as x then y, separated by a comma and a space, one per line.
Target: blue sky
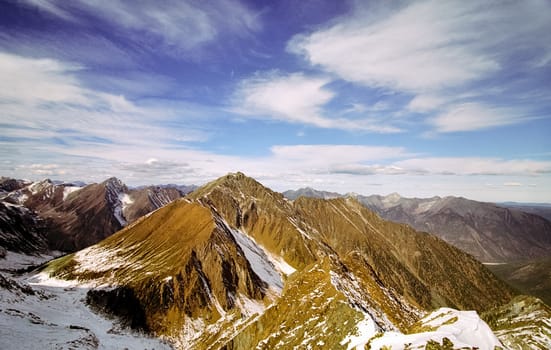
421, 98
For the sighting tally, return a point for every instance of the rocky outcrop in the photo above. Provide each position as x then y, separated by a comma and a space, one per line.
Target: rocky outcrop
21, 229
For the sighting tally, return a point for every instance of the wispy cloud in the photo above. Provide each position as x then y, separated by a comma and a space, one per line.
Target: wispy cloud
438, 52
474, 166
475, 116
296, 98
336, 153
423, 46
427, 45
177, 26
45, 105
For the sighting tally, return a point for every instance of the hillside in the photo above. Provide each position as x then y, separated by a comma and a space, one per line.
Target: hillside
530, 277
235, 265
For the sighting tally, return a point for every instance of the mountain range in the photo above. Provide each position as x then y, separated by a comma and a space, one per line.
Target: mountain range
67, 216
491, 233
235, 265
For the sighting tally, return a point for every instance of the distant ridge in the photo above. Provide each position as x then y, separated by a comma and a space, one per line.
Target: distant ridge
56, 215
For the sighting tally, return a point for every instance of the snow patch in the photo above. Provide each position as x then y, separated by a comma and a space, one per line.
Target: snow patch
250, 307
259, 260
125, 199
56, 317
15, 261
98, 259
117, 212
424, 207
281, 265
366, 330
67, 190
462, 328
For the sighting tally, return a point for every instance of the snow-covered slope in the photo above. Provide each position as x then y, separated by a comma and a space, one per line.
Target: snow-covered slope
460, 328
38, 312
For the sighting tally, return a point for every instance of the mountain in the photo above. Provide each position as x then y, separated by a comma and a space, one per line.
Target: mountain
234, 265
489, 232
68, 216
523, 323
310, 192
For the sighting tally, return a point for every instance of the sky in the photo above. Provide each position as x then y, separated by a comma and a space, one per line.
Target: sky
421, 98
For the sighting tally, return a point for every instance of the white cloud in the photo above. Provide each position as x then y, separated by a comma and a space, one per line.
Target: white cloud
474, 166
425, 103
328, 154
176, 25
443, 53
423, 46
475, 116
296, 98
512, 184
30, 80
292, 97
47, 107
426, 45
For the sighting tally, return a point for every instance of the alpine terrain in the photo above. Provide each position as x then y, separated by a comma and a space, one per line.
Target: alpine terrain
234, 265
71, 216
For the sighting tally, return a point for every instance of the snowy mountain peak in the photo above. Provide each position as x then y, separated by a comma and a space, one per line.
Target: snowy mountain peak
392, 198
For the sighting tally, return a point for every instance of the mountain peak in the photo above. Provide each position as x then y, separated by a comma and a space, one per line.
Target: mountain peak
113, 181
393, 197
237, 183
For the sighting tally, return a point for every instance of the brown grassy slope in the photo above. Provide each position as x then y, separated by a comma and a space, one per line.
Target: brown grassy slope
179, 262
419, 266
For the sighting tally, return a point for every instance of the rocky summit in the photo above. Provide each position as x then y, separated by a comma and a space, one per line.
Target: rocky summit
234, 265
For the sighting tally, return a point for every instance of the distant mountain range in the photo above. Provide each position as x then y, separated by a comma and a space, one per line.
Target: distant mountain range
541, 209
47, 215
514, 238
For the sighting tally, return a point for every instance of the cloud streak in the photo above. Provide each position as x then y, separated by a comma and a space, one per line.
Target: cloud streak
178, 26
44, 105
438, 52
475, 116
296, 98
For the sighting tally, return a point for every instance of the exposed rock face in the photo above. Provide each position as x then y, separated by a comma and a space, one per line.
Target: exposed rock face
234, 265
144, 200
21, 230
